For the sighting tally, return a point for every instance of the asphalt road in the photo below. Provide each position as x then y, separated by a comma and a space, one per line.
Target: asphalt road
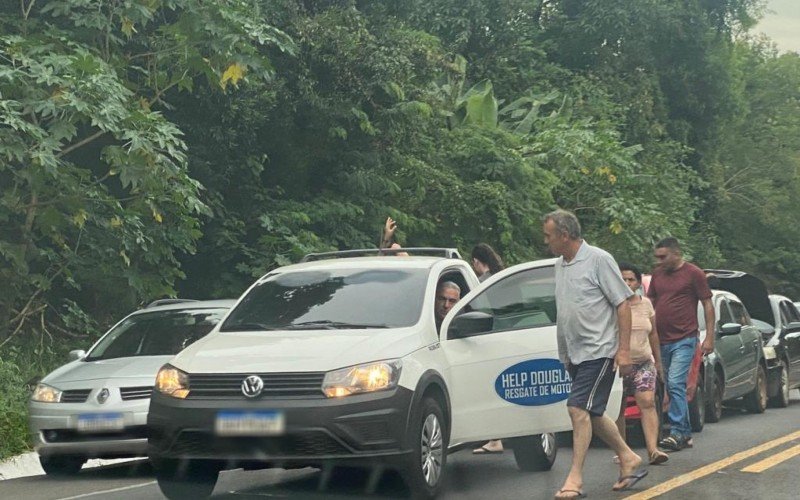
767, 446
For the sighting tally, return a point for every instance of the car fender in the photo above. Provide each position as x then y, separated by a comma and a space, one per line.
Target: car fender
430, 378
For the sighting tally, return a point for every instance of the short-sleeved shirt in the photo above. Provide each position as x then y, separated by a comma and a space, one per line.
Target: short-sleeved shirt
675, 296
641, 325
588, 290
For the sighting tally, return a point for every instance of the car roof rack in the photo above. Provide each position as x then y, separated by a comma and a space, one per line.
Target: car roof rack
447, 253
164, 302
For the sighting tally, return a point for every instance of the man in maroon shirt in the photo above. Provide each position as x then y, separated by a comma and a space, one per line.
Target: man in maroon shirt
675, 289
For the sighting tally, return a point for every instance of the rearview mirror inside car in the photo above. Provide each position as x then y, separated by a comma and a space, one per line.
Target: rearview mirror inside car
77, 354
470, 324
730, 329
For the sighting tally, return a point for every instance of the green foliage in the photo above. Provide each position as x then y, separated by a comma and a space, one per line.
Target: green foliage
13, 418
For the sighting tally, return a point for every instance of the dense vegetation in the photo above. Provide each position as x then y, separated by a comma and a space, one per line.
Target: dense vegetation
150, 148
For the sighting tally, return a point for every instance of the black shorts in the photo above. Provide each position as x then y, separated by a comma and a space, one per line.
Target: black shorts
591, 385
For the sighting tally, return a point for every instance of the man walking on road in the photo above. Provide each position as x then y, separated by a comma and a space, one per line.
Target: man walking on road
675, 289
593, 330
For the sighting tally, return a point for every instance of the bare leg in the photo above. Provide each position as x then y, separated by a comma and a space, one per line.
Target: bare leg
581, 436
628, 460
647, 404
621, 419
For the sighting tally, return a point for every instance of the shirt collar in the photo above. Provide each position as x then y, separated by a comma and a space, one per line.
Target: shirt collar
580, 255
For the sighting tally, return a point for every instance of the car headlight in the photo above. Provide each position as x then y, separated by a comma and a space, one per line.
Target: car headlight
46, 394
172, 382
369, 377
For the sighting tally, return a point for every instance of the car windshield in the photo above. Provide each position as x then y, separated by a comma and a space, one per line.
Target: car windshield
331, 299
156, 333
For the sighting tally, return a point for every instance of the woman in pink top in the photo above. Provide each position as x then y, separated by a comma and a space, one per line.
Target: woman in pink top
646, 357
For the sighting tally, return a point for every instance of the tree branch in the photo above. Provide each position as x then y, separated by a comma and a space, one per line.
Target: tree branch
80, 143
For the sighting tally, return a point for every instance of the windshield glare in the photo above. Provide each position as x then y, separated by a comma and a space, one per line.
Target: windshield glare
156, 333
332, 299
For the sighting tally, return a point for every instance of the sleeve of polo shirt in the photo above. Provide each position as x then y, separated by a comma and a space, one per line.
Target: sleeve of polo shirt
610, 280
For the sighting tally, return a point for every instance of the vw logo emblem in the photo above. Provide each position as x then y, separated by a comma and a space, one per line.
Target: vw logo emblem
102, 396
252, 386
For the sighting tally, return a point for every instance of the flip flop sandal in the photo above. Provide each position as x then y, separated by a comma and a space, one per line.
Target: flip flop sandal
483, 450
631, 480
578, 494
658, 458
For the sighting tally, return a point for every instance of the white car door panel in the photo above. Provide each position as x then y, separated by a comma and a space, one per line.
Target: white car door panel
506, 380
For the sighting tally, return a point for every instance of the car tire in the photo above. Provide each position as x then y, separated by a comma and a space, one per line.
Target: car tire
714, 401
186, 479
64, 465
425, 467
781, 399
697, 408
534, 453
756, 400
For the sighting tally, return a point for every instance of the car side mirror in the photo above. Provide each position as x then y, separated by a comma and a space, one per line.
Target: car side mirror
730, 329
77, 354
469, 325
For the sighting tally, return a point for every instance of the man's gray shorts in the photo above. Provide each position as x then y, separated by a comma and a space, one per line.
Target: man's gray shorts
591, 385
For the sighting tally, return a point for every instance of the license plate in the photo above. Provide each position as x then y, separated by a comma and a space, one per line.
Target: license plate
250, 423
100, 422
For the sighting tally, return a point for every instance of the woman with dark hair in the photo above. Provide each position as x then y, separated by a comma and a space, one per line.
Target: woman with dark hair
485, 261
646, 357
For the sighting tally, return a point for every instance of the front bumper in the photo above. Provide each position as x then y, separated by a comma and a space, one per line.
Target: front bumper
317, 429
53, 430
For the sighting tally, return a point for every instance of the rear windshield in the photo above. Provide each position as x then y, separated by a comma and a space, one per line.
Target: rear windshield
156, 333
332, 299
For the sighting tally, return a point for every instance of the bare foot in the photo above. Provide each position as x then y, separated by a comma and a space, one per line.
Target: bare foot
571, 489
629, 464
493, 446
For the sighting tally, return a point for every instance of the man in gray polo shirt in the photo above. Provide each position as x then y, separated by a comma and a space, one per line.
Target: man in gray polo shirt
593, 330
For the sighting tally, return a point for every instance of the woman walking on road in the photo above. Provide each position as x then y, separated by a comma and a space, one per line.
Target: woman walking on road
646, 369
486, 262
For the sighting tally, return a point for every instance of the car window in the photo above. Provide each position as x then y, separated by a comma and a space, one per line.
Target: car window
740, 314
331, 299
724, 314
523, 300
789, 313
157, 333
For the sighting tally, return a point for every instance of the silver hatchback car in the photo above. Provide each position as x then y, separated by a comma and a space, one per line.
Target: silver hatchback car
96, 405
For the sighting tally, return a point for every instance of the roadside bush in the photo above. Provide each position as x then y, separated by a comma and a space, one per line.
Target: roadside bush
13, 399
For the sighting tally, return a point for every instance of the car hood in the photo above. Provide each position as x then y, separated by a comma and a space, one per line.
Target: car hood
750, 290
295, 351
125, 368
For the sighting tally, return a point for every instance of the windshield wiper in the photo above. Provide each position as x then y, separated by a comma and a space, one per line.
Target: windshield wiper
245, 327
330, 325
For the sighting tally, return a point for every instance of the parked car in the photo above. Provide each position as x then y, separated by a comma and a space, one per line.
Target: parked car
781, 333
737, 368
338, 361
96, 405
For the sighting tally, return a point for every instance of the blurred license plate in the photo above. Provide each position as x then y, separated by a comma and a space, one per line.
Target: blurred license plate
100, 422
250, 423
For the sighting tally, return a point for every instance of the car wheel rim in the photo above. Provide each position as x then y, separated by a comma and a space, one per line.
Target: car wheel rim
548, 444
432, 450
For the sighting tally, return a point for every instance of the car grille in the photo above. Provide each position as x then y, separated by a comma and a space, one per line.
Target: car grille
303, 444
73, 436
129, 393
276, 385
75, 395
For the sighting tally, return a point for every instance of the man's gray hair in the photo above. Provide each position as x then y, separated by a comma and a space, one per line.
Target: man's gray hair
449, 284
565, 222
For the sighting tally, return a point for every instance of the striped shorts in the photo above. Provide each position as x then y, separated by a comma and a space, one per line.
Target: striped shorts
591, 385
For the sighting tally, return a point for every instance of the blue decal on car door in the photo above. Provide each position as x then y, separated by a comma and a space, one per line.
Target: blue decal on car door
535, 382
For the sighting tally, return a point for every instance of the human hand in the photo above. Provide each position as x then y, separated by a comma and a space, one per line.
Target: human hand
707, 346
389, 228
623, 361
660, 372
